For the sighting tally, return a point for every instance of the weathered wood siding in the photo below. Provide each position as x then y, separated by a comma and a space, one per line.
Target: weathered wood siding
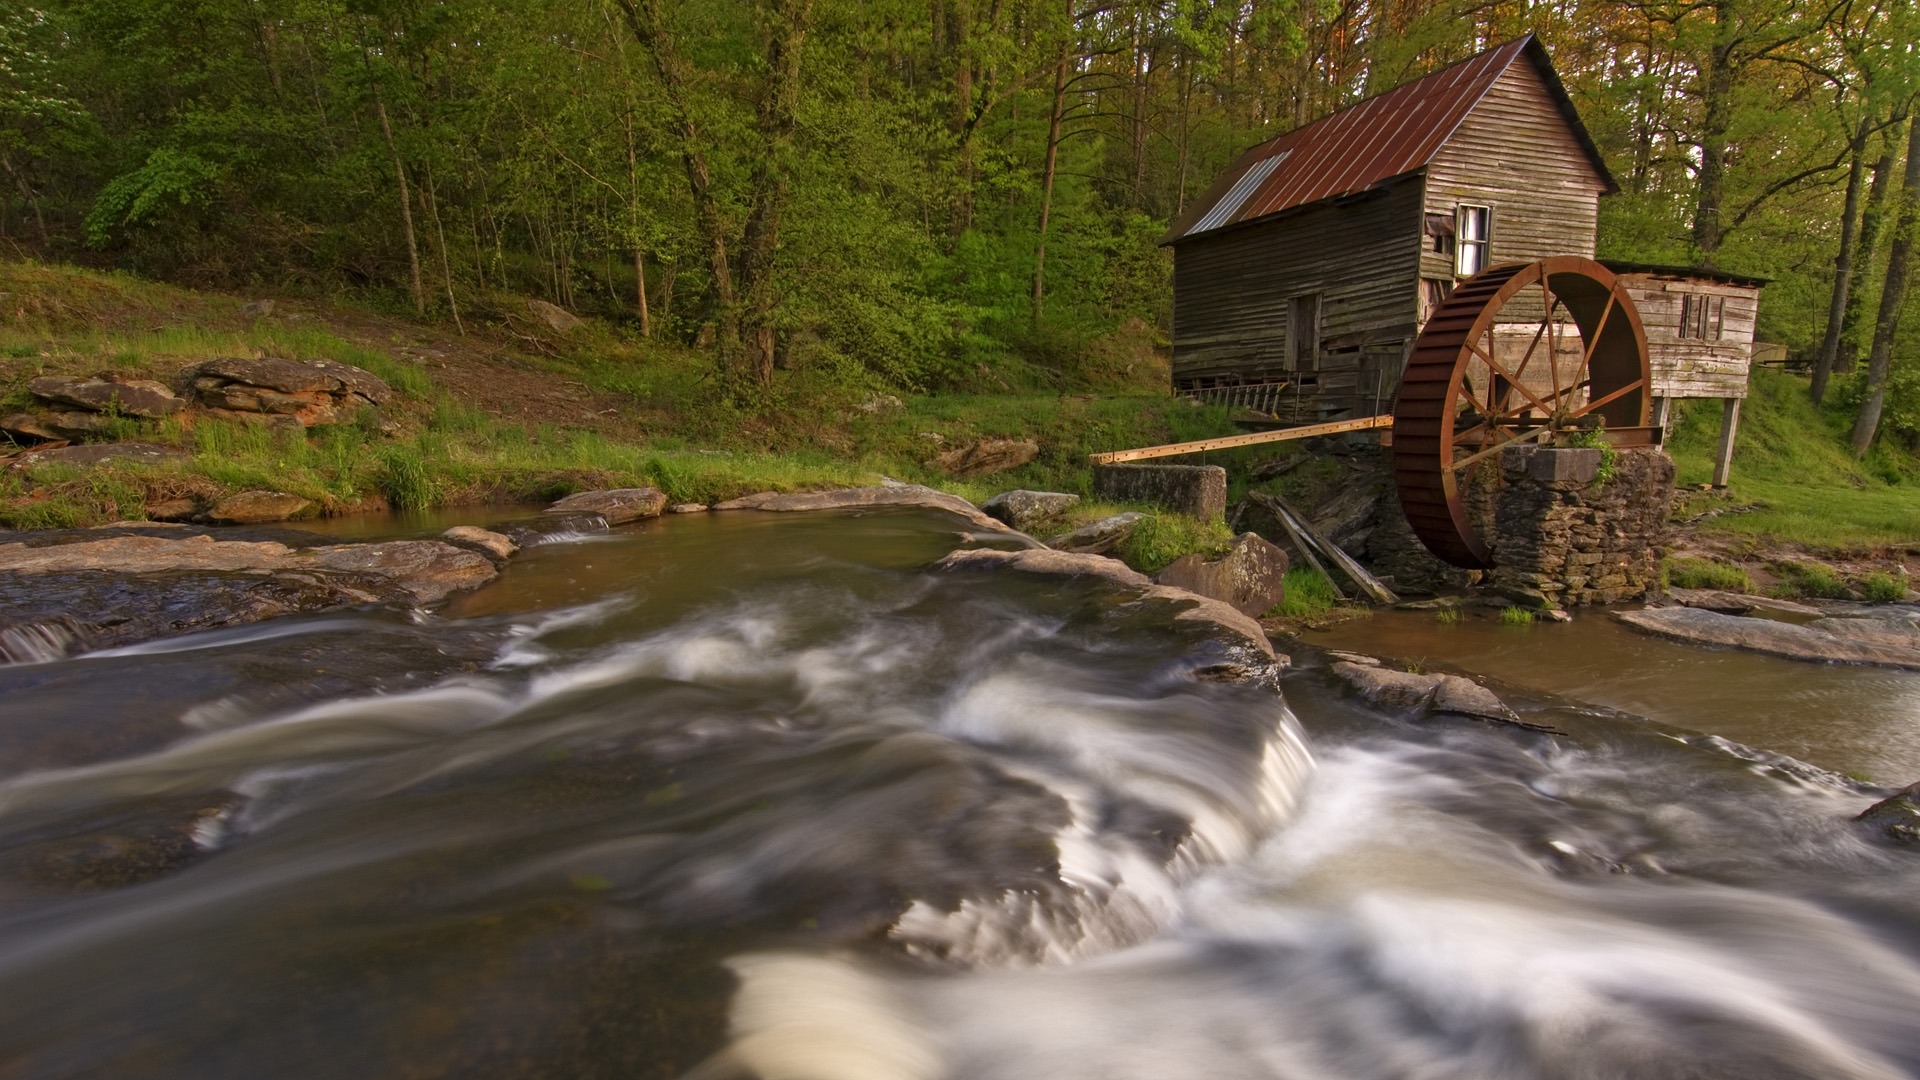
1515, 153
1231, 292
1692, 367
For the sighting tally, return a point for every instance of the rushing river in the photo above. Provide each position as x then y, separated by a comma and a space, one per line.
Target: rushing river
759, 795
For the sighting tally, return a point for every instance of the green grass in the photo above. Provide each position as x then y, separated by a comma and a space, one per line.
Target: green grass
1793, 466
1882, 587
1800, 579
1516, 616
1308, 595
1162, 537
1448, 615
1692, 573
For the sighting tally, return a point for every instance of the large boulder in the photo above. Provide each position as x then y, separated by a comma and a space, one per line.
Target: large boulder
557, 318
985, 456
1251, 575
615, 506
1028, 510
128, 397
258, 507
1421, 693
1099, 537
311, 393
1198, 490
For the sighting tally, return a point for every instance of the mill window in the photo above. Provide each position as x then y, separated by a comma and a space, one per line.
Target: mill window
1700, 316
1474, 225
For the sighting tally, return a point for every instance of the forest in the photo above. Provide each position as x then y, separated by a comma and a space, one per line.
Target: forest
913, 194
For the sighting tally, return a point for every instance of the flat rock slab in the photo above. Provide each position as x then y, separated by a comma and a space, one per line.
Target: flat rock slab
1421, 693
1886, 642
1731, 603
1028, 510
416, 571
1099, 537
258, 508
615, 506
1195, 608
892, 495
130, 453
986, 456
1198, 490
296, 376
130, 397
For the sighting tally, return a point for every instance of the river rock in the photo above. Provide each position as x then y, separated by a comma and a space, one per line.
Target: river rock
258, 507
1891, 642
128, 397
1099, 537
687, 508
1729, 603
77, 425
500, 546
28, 428
1028, 510
1422, 693
891, 495
1194, 607
557, 318
616, 506
310, 393
1251, 575
985, 456
1897, 818
128, 453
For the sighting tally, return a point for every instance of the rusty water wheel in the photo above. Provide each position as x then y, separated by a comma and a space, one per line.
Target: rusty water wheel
1462, 399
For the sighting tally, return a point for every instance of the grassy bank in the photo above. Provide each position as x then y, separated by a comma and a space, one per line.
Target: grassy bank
514, 414
1795, 479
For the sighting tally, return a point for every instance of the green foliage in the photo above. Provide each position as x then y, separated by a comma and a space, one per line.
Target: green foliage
1882, 587
1809, 579
404, 479
1308, 595
1448, 615
1516, 616
1596, 439
1161, 537
169, 180
1696, 573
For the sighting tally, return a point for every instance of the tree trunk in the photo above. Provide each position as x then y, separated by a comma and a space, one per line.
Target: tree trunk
1716, 122
1046, 180
960, 15
446, 266
779, 116
1870, 220
406, 205
649, 26
1842, 280
1893, 292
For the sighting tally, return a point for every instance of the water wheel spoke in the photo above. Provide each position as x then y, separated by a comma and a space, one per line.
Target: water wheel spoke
1547, 300
1500, 370
1609, 399
1586, 358
1545, 429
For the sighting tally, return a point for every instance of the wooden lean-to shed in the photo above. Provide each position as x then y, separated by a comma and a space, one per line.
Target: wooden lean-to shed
1700, 326
1303, 275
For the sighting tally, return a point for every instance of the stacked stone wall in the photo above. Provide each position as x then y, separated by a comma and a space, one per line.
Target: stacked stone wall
1565, 537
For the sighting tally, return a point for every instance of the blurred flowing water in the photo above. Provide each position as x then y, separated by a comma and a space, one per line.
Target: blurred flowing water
759, 795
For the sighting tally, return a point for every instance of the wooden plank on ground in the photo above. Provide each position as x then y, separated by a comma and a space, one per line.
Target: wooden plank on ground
1299, 541
1369, 584
1365, 423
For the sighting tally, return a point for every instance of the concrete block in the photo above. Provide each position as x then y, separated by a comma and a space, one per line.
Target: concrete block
1199, 490
1558, 465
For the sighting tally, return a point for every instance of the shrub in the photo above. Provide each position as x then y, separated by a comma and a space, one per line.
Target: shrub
1809, 579
1882, 587
1685, 573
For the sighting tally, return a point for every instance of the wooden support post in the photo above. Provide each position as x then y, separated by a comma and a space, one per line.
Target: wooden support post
1729, 425
1658, 416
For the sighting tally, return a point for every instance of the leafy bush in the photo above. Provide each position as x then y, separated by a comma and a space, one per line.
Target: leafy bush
1688, 573
1809, 579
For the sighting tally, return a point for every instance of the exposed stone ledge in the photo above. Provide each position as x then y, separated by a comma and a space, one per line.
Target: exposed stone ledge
1888, 641
894, 495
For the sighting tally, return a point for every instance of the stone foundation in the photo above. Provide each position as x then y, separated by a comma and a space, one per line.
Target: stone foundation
1564, 538
1200, 490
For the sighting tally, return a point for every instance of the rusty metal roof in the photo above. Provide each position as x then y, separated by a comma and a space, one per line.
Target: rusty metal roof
1367, 143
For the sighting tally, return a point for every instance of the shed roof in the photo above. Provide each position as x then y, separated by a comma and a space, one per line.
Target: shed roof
1704, 273
1368, 143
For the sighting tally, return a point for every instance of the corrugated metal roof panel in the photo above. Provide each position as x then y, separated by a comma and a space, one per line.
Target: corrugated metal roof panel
1359, 147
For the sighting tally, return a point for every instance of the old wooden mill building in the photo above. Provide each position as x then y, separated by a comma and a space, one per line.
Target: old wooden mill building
1304, 274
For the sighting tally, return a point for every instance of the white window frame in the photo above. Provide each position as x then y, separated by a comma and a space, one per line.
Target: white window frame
1469, 249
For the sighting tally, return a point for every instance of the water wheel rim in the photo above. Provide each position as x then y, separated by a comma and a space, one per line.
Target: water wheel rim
1614, 361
